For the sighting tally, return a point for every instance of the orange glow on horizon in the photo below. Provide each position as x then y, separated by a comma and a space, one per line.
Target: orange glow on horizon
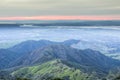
62, 18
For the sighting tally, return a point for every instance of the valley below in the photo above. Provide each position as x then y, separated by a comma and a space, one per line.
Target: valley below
84, 53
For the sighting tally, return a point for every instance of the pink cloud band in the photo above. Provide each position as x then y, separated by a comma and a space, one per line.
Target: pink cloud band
117, 17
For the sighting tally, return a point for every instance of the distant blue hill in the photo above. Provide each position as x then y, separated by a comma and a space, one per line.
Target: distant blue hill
60, 23
10, 55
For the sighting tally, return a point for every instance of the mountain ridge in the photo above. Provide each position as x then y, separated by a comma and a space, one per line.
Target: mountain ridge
87, 61
97, 61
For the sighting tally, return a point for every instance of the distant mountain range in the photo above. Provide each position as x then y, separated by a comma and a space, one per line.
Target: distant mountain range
86, 58
26, 47
38, 60
60, 23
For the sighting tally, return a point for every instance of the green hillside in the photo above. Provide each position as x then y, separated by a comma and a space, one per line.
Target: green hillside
52, 69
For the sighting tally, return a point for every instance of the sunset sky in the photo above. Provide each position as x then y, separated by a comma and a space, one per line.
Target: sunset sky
60, 9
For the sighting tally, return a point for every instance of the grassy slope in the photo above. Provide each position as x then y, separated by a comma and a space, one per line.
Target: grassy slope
52, 69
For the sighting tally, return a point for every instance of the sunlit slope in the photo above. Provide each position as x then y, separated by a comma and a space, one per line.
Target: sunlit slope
51, 69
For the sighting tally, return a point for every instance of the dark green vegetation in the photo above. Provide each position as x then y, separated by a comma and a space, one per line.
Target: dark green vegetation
47, 60
50, 69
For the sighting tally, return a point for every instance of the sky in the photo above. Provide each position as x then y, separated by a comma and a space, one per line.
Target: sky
59, 9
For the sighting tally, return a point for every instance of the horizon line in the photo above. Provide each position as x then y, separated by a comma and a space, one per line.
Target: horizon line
114, 17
